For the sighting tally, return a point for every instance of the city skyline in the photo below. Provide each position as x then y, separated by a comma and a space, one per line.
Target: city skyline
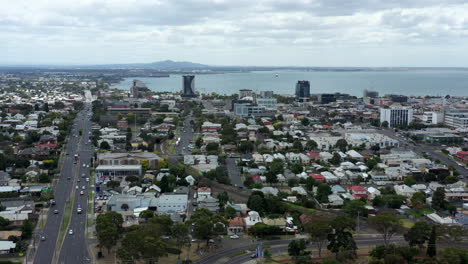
265, 33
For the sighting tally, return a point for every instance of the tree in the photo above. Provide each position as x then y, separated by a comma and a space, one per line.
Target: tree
341, 144
43, 178
310, 145
276, 167
229, 212
355, 208
431, 243
384, 124
451, 233
318, 229
323, 190
297, 248
143, 243
223, 197
438, 199
410, 181
180, 233
113, 184
109, 229
341, 239
297, 168
375, 148
454, 255
387, 224
27, 229
105, 145
336, 159
212, 147
3, 223
297, 146
245, 146
206, 225
146, 214
418, 234
256, 202
271, 178
418, 200
310, 183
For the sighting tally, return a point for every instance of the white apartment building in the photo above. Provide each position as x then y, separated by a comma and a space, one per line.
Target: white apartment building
456, 118
396, 115
433, 118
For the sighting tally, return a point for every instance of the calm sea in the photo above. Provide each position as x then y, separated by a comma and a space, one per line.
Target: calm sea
454, 83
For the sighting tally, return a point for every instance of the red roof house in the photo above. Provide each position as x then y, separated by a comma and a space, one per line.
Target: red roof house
317, 177
358, 192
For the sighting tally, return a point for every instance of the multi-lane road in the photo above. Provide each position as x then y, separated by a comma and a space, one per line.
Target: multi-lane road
431, 150
276, 247
73, 248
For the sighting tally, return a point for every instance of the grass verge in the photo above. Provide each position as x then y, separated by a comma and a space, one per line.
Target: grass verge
66, 220
237, 254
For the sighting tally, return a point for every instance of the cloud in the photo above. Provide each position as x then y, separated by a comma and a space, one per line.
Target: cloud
65, 31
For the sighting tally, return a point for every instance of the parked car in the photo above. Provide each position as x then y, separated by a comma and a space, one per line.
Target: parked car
234, 237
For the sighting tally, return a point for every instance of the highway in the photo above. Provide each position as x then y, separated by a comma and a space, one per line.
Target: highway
72, 251
74, 247
276, 247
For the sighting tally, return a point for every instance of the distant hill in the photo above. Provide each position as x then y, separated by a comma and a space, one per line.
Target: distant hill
162, 65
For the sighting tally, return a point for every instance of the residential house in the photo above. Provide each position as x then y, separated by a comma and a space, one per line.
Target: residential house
236, 226
358, 192
252, 218
404, 190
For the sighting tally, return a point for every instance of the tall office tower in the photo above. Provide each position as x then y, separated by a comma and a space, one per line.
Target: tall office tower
302, 89
136, 87
371, 94
396, 115
188, 86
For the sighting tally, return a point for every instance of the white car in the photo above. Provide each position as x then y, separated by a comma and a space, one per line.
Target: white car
77, 187
81, 193
87, 179
83, 187
87, 166
70, 232
234, 237
84, 165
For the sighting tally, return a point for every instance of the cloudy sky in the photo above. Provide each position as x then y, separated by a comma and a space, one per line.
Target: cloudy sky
236, 32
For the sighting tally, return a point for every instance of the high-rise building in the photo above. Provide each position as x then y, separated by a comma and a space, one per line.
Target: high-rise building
188, 86
396, 115
371, 94
136, 87
302, 89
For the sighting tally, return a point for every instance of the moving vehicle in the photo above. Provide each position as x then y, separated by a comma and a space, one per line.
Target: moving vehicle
81, 193
55, 211
43, 238
79, 210
70, 232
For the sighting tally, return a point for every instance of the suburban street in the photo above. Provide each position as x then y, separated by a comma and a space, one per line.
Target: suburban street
72, 251
186, 135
